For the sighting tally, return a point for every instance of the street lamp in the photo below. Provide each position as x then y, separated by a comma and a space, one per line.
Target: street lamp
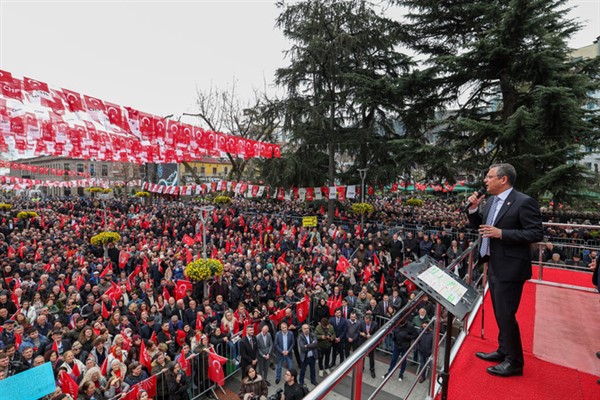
204, 210
363, 175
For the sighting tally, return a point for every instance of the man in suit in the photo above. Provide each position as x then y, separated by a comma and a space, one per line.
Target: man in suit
367, 329
345, 309
340, 326
307, 346
284, 347
352, 334
396, 300
248, 349
509, 223
264, 343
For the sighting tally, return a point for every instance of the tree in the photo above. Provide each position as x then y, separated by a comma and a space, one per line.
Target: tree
345, 83
504, 67
222, 110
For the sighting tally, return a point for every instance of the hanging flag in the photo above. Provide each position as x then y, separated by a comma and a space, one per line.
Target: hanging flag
382, 284
166, 294
215, 370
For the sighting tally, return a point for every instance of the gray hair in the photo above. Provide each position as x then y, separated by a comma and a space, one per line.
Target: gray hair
506, 170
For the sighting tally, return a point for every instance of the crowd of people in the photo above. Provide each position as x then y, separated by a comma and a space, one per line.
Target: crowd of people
96, 314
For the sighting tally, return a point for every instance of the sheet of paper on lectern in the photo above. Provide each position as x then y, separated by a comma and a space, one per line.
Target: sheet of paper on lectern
444, 284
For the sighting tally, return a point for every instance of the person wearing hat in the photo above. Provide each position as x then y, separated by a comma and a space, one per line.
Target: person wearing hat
61, 344
8, 333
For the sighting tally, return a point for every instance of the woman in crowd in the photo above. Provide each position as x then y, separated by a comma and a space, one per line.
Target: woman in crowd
253, 385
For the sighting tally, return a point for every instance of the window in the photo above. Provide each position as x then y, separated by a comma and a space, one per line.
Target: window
202, 170
195, 169
67, 167
80, 168
214, 170
225, 170
92, 170
105, 170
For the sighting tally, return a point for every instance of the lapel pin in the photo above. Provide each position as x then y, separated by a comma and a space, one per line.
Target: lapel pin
508, 204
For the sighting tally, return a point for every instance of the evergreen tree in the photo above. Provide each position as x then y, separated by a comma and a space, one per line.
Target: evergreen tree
503, 66
345, 83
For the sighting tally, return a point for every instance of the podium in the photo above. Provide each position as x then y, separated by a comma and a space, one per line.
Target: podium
450, 292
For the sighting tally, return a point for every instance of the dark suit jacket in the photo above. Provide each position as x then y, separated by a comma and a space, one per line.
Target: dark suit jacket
340, 329
363, 329
247, 353
521, 224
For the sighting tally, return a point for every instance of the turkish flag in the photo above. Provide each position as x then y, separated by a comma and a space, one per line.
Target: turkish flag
104, 367
123, 258
187, 239
382, 284
342, 265
333, 303
106, 270
73, 100
166, 294
114, 292
149, 385
367, 274
215, 370
302, 309
68, 384
185, 364
79, 281
18, 340
181, 288
199, 323
75, 370
376, 261
105, 312
145, 357
281, 259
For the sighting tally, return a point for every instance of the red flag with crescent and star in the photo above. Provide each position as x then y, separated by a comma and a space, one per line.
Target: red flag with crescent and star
215, 370
181, 288
123, 258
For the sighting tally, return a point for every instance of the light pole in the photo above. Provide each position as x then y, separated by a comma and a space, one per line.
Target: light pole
363, 175
204, 210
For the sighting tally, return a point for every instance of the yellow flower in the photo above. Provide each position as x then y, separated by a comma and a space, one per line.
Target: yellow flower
200, 270
414, 202
222, 200
5, 206
27, 214
105, 238
142, 194
362, 208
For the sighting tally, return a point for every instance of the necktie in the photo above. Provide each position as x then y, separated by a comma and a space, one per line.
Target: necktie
251, 344
337, 321
485, 242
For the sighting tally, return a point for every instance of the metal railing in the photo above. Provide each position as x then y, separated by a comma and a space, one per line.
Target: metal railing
355, 362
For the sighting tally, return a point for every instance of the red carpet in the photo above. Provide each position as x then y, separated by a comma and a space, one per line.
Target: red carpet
541, 380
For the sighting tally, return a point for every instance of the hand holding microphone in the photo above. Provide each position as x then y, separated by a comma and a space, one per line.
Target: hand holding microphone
474, 200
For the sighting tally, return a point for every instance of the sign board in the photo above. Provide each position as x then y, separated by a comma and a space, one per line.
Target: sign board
309, 222
31, 384
442, 286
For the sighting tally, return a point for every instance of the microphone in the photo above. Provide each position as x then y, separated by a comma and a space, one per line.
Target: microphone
479, 193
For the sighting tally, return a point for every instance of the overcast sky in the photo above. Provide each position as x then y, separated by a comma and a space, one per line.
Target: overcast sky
151, 55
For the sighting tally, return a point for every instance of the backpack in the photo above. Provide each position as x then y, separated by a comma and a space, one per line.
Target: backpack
305, 390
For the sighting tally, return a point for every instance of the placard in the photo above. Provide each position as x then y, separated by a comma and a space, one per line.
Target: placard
31, 384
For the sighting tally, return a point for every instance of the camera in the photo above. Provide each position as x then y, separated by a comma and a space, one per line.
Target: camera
276, 395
